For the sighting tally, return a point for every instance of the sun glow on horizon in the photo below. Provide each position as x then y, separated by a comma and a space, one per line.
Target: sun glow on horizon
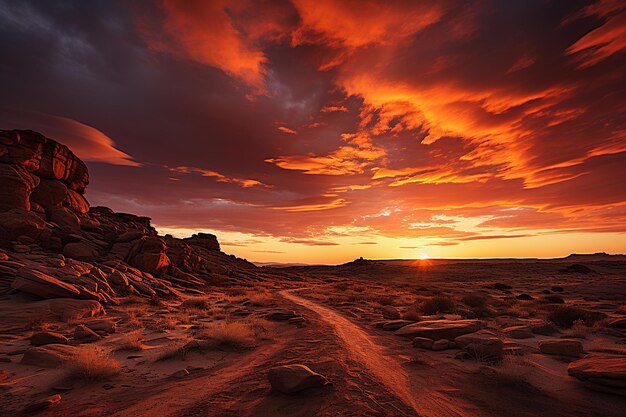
424, 256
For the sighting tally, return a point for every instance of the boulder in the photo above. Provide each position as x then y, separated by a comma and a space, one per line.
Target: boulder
151, 256
76, 202
482, 345
85, 334
394, 325
43, 404
518, 332
423, 343
48, 338
617, 323
281, 315
16, 185
69, 308
439, 329
544, 329
64, 218
441, 344
204, 240
601, 373
106, 326
390, 312
81, 251
15, 223
22, 148
49, 356
42, 285
561, 347
49, 193
289, 379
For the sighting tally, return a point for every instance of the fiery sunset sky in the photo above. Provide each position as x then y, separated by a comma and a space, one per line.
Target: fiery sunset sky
320, 131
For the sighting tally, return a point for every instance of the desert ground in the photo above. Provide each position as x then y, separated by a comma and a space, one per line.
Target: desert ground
210, 354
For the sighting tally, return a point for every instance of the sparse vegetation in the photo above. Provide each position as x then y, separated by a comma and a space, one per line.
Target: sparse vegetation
93, 364
262, 299
131, 342
512, 371
566, 316
438, 304
195, 303
231, 334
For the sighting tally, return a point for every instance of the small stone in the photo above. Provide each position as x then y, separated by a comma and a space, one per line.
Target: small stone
43, 404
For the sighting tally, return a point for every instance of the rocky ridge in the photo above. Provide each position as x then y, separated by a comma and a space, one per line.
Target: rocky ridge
54, 245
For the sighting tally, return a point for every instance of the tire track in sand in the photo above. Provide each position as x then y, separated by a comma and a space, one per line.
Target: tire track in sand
384, 368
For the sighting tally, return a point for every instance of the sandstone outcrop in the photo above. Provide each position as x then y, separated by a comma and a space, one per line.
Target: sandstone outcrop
55, 246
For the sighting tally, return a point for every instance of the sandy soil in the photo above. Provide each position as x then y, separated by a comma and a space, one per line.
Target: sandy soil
338, 333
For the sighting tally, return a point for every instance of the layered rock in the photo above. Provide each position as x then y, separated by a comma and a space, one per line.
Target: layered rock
56, 246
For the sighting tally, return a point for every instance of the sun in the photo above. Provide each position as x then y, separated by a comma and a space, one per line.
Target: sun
424, 256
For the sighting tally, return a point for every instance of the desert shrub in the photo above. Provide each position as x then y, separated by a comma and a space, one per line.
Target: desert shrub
474, 300
262, 299
230, 335
177, 350
412, 312
197, 303
578, 330
438, 304
93, 364
553, 299
131, 342
566, 316
512, 371
164, 323
385, 300
235, 292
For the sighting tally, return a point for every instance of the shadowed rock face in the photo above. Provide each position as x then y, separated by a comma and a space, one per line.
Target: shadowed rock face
54, 245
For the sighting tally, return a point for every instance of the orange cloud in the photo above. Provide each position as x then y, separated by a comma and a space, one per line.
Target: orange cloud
287, 130
601, 43
355, 23
86, 142
204, 32
242, 182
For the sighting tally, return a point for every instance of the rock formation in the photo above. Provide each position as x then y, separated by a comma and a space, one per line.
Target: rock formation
55, 246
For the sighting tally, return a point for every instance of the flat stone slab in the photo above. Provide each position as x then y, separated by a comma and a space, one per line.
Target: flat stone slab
439, 329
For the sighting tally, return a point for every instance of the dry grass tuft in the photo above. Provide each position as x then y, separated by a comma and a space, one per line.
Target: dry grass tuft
412, 312
262, 299
177, 350
164, 323
93, 364
195, 303
578, 330
131, 342
438, 304
512, 371
235, 335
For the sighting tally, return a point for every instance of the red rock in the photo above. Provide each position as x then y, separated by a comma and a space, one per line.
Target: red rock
81, 251
439, 329
49, 193
290, 379
48, 338
151, 256
85, 334
16, 185
481, 345
15, 223
64, 218
76, 202
43, 404
42, 285
49, 356
561, 347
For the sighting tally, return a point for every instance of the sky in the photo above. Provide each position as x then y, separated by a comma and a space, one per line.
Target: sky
318, 131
